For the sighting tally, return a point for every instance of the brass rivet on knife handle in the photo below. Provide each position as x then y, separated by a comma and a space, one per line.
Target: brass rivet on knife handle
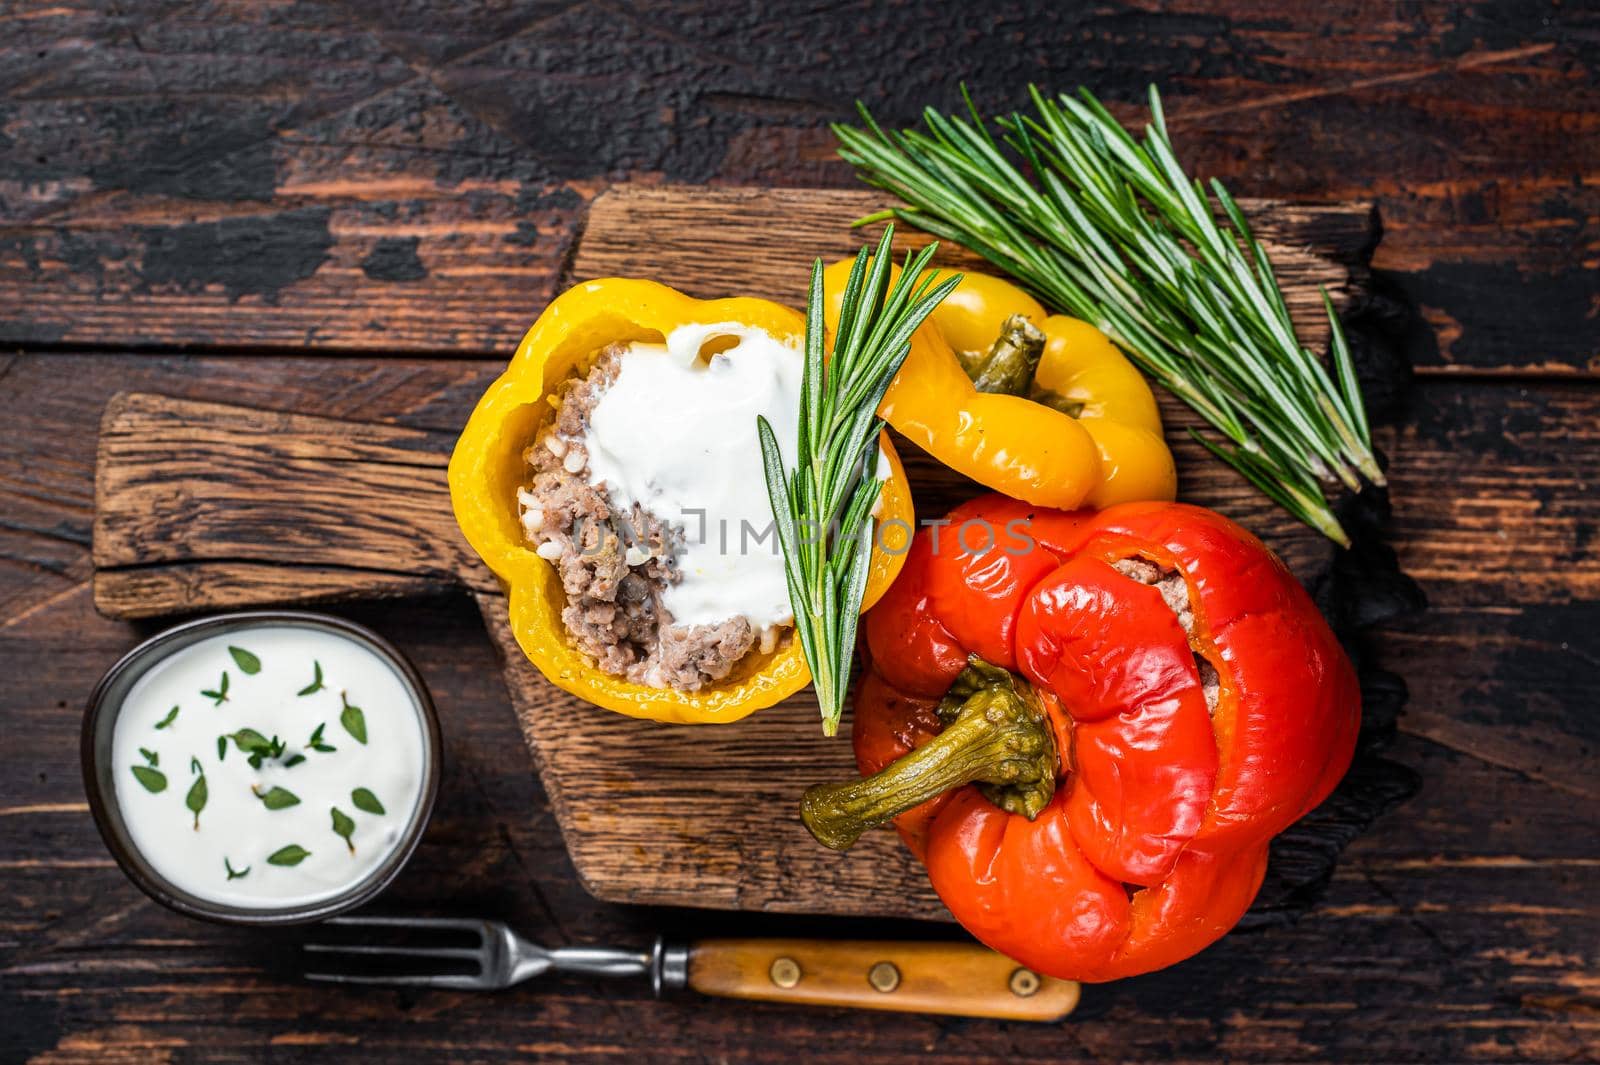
884, 976
1024, 982
785, 972
961, 979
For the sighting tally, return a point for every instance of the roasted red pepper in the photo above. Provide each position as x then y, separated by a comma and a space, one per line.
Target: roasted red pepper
1139, 699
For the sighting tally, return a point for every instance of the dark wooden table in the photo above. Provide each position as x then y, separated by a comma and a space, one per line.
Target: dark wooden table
354, 209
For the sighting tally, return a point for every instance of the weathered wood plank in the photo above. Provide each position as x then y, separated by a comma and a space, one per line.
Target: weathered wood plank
657, 815
1496, 512
54, 403
389, 179
210, 505
696, 232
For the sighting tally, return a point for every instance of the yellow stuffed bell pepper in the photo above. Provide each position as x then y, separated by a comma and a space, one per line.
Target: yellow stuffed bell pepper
1047, 411
488, 467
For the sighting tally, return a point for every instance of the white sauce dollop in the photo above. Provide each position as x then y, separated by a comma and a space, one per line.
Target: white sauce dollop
677, 434
235, 826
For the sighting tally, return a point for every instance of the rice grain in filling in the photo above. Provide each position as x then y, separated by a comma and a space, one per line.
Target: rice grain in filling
614, 572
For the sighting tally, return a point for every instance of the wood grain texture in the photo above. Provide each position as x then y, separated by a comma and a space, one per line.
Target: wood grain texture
386, 177
1510, 561
696, 234
210, 506
958, 979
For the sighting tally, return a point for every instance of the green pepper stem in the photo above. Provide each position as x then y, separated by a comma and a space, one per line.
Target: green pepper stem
1011, 361
996, 735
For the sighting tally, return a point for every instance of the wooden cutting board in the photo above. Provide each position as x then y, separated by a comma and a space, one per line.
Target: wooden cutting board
205, 506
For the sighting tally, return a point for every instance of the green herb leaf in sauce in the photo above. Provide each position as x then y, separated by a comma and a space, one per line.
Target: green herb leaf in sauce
353, 720
316, 680
196, 799
154, 780
293, 854
248, 663
219, 695
257, 746
172, 715
222, 747
150, 756
276, 798
234, 874
343, 826
316, 742
293, 760
249, 740
364, 800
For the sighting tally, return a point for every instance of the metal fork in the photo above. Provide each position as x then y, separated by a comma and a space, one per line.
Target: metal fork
503, 958
958, 979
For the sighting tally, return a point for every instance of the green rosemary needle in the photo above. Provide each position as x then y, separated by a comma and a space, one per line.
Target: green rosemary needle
1111, 230
823, 508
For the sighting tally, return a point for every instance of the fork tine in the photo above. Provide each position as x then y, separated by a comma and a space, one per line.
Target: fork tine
465, 924
480, 979
470, 983
406, 952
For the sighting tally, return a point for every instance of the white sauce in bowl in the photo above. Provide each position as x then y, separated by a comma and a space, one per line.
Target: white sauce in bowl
243, 825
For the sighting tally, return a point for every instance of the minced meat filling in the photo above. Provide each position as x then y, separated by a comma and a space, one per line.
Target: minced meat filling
1175, 593
614, 572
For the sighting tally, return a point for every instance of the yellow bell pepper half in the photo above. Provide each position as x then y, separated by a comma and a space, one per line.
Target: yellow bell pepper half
487, 467
1112, 451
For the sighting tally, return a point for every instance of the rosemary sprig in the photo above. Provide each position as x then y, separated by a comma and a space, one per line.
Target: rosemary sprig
1113, 231
823, 509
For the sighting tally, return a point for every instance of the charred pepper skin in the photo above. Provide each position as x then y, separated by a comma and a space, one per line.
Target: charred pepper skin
1110, 451
1155, 841
487, 467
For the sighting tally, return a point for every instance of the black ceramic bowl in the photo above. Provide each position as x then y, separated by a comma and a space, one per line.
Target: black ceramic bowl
99, 721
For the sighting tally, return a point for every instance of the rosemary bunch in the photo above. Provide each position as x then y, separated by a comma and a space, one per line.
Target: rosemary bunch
1111, 230
823, 511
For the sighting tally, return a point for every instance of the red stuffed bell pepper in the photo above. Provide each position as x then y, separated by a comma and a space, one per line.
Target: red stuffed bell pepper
1140, 699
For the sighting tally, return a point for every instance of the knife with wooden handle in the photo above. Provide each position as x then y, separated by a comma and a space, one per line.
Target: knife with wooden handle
959, 979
